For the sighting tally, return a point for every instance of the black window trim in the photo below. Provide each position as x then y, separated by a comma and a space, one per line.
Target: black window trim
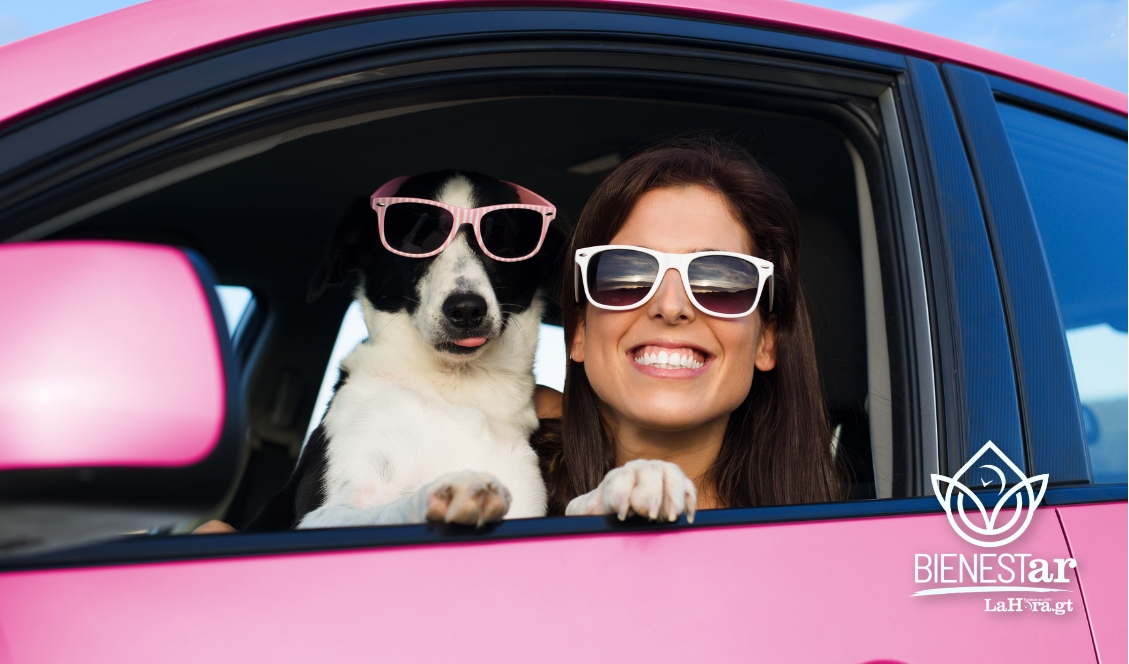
1059, 106
1049, 406
976, 392
134, 109
165, 548
33, 206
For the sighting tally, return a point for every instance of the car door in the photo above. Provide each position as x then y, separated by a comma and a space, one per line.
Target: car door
880, 578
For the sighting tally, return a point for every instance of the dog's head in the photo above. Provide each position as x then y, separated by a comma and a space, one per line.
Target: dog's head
460, 300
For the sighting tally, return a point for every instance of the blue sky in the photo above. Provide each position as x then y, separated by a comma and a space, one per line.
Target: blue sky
1086, 38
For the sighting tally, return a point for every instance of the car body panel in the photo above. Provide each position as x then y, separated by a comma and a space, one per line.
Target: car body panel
43, 69
1098, 536
802, 592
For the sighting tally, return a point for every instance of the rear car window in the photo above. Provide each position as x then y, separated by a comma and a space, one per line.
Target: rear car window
1076, 181
234, 300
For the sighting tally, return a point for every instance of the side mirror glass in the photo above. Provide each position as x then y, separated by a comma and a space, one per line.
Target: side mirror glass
120, 404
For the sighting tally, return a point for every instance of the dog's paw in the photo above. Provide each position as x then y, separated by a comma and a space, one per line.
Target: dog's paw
656, 490
468, 498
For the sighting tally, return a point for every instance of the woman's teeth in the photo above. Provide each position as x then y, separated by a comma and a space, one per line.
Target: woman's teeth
669, 359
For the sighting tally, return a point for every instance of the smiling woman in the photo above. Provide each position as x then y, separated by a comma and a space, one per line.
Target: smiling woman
690, 345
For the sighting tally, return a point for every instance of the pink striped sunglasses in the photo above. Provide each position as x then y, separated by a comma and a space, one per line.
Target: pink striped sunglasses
418, 227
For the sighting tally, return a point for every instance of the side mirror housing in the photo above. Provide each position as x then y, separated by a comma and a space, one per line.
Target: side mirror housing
120, 401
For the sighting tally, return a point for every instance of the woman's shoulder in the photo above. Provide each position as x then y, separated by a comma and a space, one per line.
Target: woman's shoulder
548, 402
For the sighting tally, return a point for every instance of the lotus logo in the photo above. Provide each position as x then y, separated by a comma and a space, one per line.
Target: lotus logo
981, 529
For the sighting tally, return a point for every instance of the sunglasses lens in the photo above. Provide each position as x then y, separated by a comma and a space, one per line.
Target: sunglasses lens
512, 232
724, 284
416, 228
621, 277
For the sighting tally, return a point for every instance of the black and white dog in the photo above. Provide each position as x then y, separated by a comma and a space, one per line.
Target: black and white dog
422, 427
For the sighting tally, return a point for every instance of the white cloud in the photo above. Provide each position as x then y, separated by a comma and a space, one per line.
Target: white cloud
1085, 38
891, 12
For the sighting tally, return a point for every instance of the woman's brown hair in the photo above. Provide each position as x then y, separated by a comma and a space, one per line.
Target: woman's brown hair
777, 446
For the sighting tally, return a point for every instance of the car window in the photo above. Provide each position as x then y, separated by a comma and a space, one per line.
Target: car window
548, 366
840, 264
289, 370
1076, 181
234, 300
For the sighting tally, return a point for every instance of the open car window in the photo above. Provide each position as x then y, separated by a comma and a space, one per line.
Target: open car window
293, 366
584, 138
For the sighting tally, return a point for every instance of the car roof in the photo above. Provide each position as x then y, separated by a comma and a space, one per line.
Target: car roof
44, 69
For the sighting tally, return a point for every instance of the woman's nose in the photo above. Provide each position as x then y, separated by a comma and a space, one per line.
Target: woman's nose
671, 302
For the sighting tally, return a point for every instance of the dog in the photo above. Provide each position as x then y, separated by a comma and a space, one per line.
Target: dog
432, 415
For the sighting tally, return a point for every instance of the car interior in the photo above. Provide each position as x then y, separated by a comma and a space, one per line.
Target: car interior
262, 219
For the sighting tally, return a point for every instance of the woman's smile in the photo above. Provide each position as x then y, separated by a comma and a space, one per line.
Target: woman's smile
670, 359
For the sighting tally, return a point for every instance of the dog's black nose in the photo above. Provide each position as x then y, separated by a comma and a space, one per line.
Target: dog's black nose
465, 310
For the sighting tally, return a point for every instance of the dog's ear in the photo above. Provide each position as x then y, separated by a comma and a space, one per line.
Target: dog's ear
349, 248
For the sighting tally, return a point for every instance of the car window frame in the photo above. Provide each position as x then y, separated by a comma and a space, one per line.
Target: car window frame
176, 98
146, 549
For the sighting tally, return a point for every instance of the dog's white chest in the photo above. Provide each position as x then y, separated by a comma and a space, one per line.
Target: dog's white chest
387, 440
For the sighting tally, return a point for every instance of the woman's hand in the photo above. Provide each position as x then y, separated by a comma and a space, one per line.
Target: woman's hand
651, 489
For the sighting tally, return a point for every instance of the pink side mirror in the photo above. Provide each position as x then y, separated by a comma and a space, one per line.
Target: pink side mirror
119, 396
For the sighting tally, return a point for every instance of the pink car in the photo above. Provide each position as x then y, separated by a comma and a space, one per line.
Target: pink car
964, 252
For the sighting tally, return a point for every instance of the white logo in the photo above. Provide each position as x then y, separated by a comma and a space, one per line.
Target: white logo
985, 532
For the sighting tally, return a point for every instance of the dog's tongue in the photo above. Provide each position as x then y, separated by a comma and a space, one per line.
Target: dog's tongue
472, 342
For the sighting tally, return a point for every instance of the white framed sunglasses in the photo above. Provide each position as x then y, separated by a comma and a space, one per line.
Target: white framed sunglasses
620, 277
